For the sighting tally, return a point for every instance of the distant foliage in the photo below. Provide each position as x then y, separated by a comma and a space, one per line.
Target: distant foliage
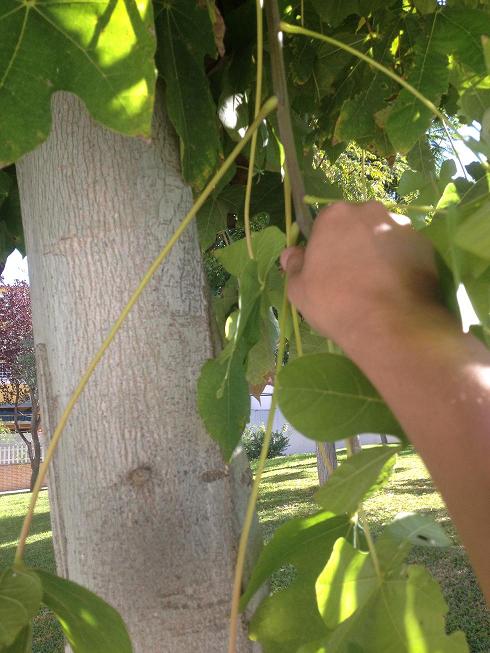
253, 438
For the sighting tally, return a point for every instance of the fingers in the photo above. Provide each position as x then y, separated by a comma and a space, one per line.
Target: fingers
292, 260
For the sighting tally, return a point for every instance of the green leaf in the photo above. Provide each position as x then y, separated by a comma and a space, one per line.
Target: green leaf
425, 6
210, 220
223, 401
261, 359
409, 118
335, 12
358, 115
363, 473
11, 231
346, 583
458, 33
90, 624
185, 37
399, 612
99, 49
20, 598
311, 341
23, 642
473, 235
289, 618
417, 529
267, 246
292, 540
222, 389
327, 398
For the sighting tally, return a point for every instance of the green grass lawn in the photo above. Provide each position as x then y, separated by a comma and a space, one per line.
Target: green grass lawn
288, 486
287, 489
39, 553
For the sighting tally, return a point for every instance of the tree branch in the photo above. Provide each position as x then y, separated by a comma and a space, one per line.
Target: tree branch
303, 217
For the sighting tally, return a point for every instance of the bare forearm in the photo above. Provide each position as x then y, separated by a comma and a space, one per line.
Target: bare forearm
437, 382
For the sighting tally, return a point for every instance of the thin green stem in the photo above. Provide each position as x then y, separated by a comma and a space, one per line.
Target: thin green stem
423, 208
252, 501
253, 144
370, 541
268, 107
365, 524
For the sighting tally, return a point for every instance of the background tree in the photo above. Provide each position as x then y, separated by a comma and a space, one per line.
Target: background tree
18, 382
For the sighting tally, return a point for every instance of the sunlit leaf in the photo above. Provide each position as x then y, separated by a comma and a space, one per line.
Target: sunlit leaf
409, 118
363, 473
99, 49
89, 624
327, 398
20, 598
292, 540
185, 36
397, 612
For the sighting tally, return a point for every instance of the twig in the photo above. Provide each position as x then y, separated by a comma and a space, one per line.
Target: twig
303, 217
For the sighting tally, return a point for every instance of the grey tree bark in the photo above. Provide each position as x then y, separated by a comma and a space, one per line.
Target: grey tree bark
143, 508
326, 460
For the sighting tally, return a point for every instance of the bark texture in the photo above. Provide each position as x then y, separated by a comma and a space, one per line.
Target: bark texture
143, 507
326, 460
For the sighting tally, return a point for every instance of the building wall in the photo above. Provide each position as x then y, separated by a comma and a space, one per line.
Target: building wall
14, 477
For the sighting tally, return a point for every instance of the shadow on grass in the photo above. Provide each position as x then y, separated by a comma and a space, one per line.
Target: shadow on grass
410, 486
10, 526
37, 554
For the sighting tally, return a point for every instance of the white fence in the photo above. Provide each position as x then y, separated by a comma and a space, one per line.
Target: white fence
15, 454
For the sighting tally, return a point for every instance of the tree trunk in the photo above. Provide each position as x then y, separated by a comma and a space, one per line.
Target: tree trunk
143, 506
355, 444
326, 460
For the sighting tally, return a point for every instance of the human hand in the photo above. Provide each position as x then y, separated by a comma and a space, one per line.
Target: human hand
360, 265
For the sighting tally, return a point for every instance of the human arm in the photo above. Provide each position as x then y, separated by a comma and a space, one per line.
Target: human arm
371, 286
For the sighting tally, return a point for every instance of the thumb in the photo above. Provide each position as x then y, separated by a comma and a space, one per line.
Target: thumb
292, 260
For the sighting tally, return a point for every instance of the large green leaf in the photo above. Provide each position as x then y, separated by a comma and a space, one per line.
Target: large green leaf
409, 118
185, 37
20, 598
327, 398
335, 11
261, 358
292, 540
90, 625
222, 389
458, 32
363, 473
267, 246
23, 642
11, 232
100, 50
473, 235
417, 529
401, 611
210, 220
224, 401
289, 618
